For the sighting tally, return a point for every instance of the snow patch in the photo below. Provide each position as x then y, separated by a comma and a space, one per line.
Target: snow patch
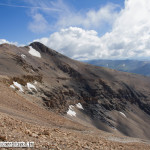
12, 86
113, 128
34, 52
122, 114
79, 106
23, 56
31, 86
71, 112
19, 86
35, 82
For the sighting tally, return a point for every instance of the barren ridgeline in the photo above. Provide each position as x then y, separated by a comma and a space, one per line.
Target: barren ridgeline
61, 103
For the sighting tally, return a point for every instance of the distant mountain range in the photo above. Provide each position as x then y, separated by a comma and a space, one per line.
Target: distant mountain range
132, 66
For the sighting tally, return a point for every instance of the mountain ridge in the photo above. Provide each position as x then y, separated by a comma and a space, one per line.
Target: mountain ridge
131, 66
105, 94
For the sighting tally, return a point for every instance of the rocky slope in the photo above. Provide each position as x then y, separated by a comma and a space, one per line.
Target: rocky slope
42, 84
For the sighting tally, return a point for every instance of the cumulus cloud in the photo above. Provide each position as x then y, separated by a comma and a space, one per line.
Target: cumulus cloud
2, 41
131, 31
74, 42
129, 37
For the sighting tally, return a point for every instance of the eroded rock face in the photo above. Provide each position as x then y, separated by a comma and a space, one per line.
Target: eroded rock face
63, 82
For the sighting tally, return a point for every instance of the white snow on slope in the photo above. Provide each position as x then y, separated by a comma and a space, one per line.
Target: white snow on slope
19, 86
122, 114
12, 86
71, 112
23, 56
34, 52
31, 86
35, 82
79, 106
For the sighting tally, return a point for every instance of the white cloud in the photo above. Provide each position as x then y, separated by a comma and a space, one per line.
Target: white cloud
129, 38
74, 42
39, 24
24, 6
131, 31
92, 19
60, 15
2, 41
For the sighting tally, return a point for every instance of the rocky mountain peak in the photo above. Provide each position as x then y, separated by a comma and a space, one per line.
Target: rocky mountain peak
44, 49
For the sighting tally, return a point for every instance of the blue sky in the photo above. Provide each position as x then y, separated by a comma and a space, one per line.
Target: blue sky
15, 18
80, 29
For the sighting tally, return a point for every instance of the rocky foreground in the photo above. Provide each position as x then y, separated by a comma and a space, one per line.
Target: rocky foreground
54, 137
